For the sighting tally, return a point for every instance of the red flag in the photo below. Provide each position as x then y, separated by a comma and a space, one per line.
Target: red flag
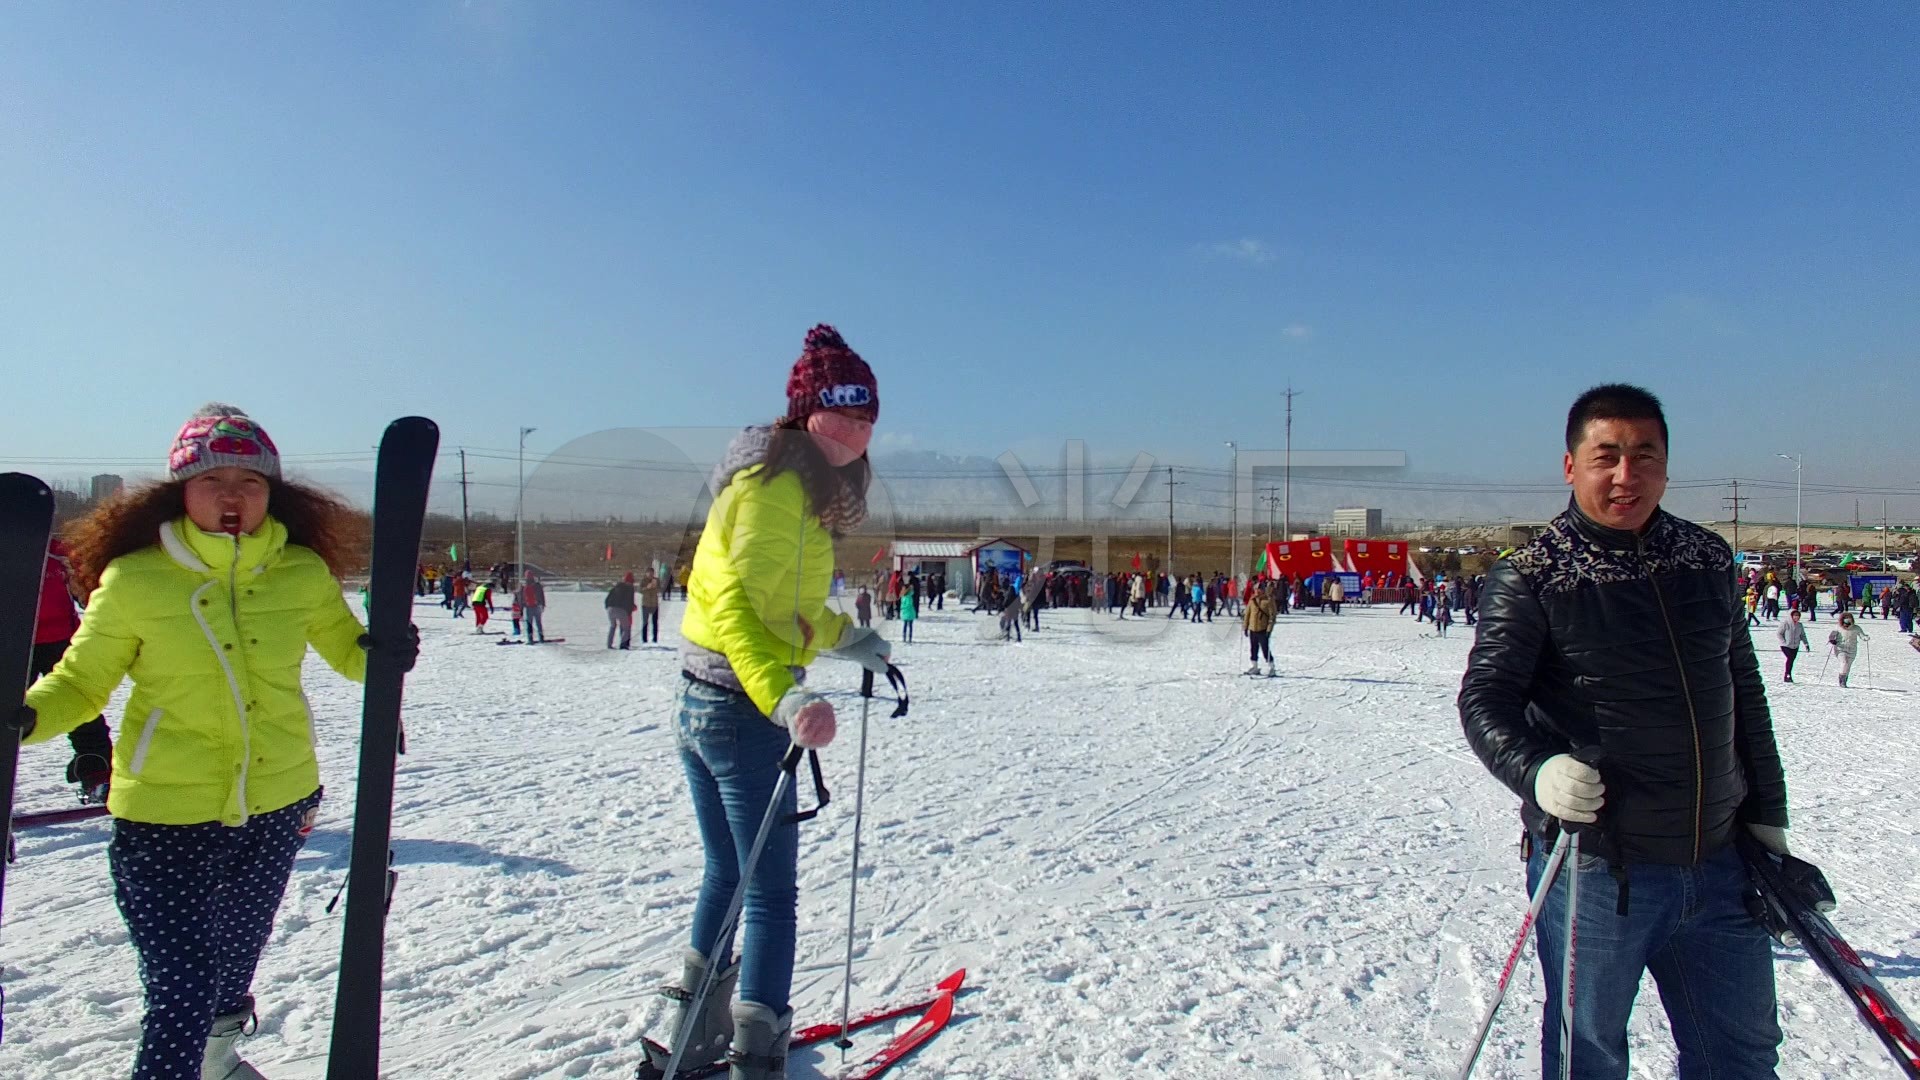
609, 551
877, 556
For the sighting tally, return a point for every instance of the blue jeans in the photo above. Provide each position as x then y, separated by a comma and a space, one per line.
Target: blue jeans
732, 758
1689, 926
536, 624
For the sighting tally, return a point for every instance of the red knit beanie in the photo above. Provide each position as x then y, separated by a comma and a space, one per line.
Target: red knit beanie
830, 375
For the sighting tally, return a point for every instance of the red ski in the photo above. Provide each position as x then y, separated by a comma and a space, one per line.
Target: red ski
914, 1037
820, 1033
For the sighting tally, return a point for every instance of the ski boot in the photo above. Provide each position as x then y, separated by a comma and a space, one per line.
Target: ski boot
1271, 673
1254, 670
759, 1043
712, 1029
223, 1061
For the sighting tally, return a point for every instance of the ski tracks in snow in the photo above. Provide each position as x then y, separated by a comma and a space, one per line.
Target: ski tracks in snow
1151, 864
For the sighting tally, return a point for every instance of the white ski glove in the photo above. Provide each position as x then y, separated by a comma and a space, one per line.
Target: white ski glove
1569, 789
807, 715
864, 646
1771, 837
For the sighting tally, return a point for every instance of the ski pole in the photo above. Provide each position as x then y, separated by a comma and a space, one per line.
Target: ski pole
1552, 870
723, 941
1566, 960
853, 883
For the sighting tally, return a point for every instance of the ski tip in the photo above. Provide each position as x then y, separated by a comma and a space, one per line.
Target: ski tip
415, 424
19, 485
952, 983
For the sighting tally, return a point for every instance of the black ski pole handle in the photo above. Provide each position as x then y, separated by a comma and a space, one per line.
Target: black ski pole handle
791, 762
1591, 756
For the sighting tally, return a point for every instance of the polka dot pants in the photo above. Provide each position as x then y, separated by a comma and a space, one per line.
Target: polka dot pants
199, 901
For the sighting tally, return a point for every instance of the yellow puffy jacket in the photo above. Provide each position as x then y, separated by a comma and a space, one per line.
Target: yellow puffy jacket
213, 632
758, 591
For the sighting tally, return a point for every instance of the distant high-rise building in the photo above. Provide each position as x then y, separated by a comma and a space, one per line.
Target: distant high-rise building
1356, 521
106, 485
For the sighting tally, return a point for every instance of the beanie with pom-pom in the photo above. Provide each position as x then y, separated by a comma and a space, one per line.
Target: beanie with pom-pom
830, 375
219, 435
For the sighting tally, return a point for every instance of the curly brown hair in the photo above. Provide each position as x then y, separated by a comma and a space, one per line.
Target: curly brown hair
131, 520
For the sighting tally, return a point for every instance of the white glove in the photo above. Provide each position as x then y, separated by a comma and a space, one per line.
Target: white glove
1771, 837
807, 715
864, 646
1569, 789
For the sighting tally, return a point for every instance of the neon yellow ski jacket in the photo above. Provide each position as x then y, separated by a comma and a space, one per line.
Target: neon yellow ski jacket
759, 585
213, 630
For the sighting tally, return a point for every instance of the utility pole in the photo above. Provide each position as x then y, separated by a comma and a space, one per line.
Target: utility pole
463, 504
1288, 517
1233, 516
1883, 535
1736, 502
520, 515
1797, 517
1272, 498
1170, 486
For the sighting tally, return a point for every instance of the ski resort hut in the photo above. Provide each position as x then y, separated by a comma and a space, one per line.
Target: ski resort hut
1007, 559
946, 557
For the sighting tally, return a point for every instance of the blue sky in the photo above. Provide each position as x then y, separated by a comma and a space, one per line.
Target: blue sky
1036, 221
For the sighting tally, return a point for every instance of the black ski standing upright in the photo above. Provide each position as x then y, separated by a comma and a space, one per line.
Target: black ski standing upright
402, 477
26, 524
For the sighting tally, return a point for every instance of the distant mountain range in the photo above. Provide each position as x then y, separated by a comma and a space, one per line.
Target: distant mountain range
639, 475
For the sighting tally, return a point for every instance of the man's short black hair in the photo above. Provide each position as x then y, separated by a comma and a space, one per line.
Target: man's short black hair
1613, 401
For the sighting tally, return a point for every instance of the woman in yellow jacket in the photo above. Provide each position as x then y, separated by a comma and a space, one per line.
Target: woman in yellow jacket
756, 616
207, 590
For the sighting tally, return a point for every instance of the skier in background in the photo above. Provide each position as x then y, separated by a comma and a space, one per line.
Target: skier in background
1846, 643
649, 608
1573, 648
211, 620
1793, 638
757, 613
1258, 616
620, 606
482, 607
91, 765
909, 611
533, 605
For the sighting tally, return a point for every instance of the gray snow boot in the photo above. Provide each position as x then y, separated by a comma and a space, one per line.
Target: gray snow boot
759, 1043
712, 1029
223, 1061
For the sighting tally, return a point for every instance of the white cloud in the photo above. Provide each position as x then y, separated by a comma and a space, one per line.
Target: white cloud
1298, 331
894, 440
1247, 249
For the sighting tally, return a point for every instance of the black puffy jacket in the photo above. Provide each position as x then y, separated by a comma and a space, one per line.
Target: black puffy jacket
1638, 644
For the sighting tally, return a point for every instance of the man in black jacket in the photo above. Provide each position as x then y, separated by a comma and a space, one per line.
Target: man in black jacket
620, 605
1618, 632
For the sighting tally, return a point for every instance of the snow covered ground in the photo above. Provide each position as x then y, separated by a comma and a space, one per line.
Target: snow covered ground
1151, 866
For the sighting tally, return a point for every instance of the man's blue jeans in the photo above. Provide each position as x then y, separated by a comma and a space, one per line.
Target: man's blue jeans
732, 758
1689, 926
